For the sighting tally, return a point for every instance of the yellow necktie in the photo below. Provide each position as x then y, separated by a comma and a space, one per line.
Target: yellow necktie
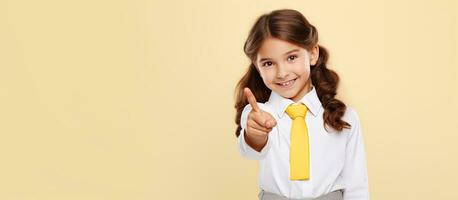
299, 147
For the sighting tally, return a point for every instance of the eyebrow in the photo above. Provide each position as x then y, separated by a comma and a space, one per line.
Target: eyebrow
291, 51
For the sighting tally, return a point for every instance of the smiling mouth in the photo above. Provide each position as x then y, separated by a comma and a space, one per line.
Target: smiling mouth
287, 83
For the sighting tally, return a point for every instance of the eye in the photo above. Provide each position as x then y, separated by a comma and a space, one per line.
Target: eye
264, 64
293, 57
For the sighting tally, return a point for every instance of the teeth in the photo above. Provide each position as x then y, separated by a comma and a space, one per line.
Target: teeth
287, 83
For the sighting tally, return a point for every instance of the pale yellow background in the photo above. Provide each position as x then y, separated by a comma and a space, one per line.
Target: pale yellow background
134, 99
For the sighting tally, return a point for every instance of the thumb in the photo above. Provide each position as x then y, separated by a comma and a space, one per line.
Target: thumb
270, 123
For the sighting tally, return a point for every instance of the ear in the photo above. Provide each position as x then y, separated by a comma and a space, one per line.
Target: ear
314, 54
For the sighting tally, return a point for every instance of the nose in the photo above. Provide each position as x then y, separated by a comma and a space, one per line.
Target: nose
282, 72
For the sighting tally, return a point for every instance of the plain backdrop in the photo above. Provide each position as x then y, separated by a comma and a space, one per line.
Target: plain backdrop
135, 99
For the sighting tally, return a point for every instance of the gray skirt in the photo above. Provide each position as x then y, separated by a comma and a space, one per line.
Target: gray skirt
334, 195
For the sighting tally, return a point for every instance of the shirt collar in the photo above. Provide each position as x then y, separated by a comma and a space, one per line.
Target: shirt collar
310, 99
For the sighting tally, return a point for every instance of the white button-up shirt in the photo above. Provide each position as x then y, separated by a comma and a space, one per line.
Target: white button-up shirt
337, 160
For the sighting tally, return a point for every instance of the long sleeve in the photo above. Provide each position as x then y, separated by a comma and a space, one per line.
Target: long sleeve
245, 149
355, 170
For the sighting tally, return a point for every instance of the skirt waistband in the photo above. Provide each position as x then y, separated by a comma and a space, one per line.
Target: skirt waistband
334, 195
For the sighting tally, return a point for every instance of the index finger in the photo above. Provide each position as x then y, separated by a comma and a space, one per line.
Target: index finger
251, 99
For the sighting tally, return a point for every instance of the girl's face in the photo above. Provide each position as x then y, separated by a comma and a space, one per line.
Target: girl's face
285, 67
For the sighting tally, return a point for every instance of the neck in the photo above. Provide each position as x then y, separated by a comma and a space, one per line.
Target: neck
307, 88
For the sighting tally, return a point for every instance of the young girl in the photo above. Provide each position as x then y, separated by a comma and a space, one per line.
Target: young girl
308, 143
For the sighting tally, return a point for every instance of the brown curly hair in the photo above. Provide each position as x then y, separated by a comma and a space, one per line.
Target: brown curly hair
291, 26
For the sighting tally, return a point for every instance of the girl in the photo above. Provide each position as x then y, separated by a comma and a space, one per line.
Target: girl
318, 154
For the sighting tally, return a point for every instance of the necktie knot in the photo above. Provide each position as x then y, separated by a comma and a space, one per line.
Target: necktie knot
296, 110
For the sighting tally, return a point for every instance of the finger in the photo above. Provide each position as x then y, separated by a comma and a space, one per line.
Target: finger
257, 132
258, 117
251, 99
270, 121
255, 125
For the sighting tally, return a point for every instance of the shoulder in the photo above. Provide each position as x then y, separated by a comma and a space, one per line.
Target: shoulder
352, 117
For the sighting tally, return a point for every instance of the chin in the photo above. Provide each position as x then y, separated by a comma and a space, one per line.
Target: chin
285, 94
291, 96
